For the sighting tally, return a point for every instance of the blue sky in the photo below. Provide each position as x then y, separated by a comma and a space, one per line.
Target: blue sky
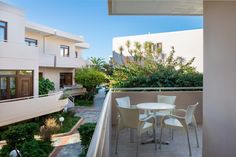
90, 19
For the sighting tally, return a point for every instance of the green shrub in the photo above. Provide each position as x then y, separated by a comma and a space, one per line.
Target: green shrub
90, 78
5, 151
35, 148
29, 148
82, 102
45, 85
86, 133
20, 133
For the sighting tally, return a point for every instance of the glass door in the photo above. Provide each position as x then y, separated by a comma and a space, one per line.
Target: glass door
3, 88
7, 87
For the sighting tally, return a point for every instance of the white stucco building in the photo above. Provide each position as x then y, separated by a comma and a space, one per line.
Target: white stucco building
29, 51
187, 44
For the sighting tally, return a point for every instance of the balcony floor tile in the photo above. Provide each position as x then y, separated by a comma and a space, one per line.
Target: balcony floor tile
177, 147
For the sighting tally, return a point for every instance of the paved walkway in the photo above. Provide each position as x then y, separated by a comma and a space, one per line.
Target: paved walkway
69, 146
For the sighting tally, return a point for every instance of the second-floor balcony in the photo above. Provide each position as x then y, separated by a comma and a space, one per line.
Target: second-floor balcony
17, 53
103, 143
52, 60
69, 62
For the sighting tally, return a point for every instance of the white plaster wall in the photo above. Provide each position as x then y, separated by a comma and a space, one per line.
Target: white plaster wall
16, 22
188, 44
52, 48
219, 98
14, 54
53, 74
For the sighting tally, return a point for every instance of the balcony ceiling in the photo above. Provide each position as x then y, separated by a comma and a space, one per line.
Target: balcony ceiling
155, 7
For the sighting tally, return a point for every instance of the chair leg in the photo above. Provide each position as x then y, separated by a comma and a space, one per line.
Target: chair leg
160, 138
137, 151
131, 135
117, 137
172, 133
189, 146
195, 129
154, 136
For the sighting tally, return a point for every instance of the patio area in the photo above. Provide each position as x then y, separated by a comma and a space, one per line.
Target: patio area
103, 142
176, 148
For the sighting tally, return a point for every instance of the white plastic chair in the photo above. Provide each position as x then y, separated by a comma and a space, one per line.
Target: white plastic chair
123, 102
174, 121
167, 100
129, 118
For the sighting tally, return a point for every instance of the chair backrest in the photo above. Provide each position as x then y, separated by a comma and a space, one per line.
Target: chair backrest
129, 117
166, 99
123, 102
190, 113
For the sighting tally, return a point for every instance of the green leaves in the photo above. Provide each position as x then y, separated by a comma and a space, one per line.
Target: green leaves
45, 85
90, 78
150, 67
86, 133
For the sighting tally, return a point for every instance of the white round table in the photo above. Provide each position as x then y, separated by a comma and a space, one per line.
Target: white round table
154, 106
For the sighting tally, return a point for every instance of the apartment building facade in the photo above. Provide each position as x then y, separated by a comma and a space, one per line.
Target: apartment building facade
29, 51
187, 44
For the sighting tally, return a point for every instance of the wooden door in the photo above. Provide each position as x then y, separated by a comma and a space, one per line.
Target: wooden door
25, 86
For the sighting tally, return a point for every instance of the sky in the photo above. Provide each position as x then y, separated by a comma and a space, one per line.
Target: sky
90, 19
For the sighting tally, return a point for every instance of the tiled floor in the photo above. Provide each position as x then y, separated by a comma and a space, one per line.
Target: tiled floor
176, 148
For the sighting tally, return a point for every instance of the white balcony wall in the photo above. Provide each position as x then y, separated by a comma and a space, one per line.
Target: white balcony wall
69, 62
16, 111
46, 60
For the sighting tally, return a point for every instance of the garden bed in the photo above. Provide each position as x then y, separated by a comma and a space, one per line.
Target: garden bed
32, 147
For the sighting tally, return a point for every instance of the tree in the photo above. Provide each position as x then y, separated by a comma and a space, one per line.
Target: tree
148, 66
98, 63
90, 78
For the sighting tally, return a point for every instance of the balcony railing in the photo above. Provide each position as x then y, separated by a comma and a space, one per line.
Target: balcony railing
101, 144
18, 50
47, 60
20, 109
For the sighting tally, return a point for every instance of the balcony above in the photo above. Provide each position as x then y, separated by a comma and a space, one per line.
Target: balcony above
47, 60
69, 62
155, 7
20, 54
82, 45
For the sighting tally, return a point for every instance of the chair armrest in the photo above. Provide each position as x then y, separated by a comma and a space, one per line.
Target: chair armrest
180, 118
179, 111
177, 117
147, 118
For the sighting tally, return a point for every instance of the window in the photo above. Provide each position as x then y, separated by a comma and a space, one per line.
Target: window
3, 31
157, 47
31, 42
65, 51
76, 54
